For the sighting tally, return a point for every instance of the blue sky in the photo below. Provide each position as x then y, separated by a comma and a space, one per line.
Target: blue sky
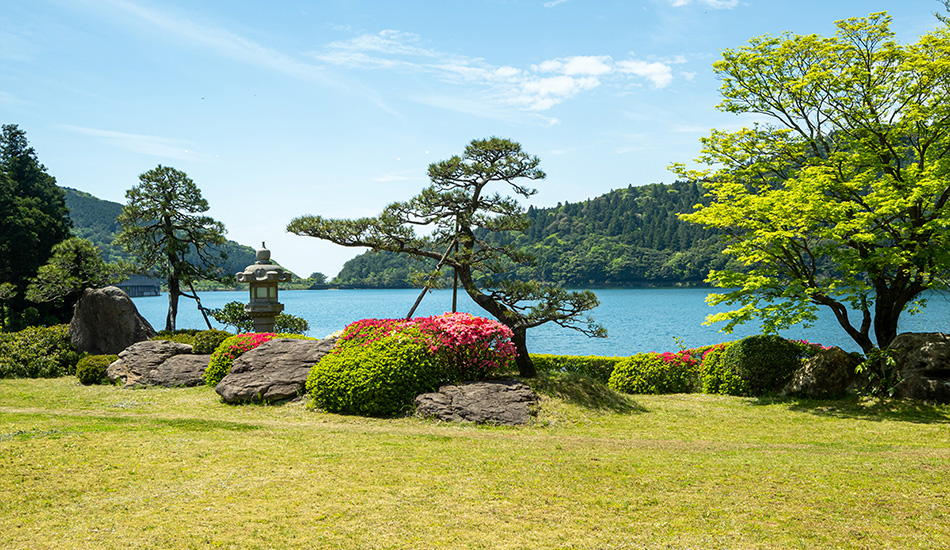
336, 108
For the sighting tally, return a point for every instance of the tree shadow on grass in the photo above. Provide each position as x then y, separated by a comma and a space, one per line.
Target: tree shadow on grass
584, 392
871, 409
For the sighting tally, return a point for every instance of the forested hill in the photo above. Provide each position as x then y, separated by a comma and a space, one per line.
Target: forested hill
628, 237
94, 220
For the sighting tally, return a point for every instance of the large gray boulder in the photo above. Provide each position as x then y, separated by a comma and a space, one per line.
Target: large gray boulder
923, 360
158, 363
273, 371
503, 402
829, 373
105, 322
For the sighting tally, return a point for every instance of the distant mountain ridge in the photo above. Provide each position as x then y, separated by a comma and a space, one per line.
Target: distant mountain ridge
94, 219
627, 237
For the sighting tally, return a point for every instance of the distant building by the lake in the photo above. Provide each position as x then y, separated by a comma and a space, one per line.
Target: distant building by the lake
141, 285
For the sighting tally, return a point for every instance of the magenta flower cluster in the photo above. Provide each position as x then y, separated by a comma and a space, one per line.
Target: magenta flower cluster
684, 358
246, 342
469, 347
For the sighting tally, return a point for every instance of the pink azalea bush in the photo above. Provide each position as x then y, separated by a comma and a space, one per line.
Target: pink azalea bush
468, 347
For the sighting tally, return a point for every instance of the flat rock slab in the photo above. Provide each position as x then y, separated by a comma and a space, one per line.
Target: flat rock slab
503, 402
273, 371
158, 363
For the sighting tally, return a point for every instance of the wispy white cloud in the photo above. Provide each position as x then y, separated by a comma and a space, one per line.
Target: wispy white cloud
221, 41
553, 3
715, 4
538, 87
138, 143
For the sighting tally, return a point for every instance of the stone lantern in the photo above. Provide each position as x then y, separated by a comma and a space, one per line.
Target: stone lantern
263, 277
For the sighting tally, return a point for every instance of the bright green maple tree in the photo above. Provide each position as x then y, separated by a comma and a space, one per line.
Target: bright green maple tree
841, 199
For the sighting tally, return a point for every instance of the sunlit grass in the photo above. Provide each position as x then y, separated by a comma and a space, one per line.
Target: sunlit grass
102, 467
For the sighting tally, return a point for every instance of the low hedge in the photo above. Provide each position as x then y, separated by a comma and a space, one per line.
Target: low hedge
592, 366
38, 352
656, 373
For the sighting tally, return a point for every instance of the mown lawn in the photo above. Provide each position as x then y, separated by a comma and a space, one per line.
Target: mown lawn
101, 467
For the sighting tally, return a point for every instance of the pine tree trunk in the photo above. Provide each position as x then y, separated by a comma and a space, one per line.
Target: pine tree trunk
525, 365
174, 291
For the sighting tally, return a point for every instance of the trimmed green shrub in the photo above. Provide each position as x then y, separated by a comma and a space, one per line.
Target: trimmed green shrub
763, 364
655, 373
715, 378
181, 336
37, 352
380, 378
233, 347
598, 368
91, 369
207, 341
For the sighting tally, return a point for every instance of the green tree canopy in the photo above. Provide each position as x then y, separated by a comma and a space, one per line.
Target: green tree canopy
841, 201
456, 208
33, 216
164, 229
74, 266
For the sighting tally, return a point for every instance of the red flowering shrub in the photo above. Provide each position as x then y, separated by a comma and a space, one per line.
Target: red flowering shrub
467, 347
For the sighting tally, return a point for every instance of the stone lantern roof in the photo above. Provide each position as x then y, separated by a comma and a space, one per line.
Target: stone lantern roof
263, 270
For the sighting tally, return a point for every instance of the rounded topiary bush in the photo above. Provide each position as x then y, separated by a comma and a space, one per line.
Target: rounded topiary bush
379, 378
91, 369
762, 363
655, 373
207, 341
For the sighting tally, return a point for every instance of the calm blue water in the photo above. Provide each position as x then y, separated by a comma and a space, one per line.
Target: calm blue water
637, 320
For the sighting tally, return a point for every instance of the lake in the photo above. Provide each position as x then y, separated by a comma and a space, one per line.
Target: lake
637, 320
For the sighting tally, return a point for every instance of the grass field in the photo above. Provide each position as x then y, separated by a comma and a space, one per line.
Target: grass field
101, 467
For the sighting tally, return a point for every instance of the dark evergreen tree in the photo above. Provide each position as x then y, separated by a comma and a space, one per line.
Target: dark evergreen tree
33, 217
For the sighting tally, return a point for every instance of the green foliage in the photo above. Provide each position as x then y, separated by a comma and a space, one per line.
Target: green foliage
598, 368
74, 266
233, 314
714, 378
181, 336
626, 237
94, 219
380, 378
758, 365
163, 229
456, 211
655, 373
37, 352
207, 341
290, 324
33, 218
233, 347
91, 369
880, 373
843, 201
